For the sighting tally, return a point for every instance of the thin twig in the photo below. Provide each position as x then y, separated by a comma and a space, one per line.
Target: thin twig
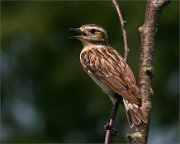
126, 50
108, 132
110, 122
123, 28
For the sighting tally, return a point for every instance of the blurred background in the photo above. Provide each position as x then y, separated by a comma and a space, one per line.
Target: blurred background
45, 94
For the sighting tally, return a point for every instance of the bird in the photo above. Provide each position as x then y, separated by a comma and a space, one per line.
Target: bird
109, 70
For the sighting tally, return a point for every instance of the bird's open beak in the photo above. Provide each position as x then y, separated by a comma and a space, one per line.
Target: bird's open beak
76, 30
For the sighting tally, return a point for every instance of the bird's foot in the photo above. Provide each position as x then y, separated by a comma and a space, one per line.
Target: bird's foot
107, 127
113, 131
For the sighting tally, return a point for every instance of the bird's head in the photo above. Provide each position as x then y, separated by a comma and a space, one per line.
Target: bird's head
91, 33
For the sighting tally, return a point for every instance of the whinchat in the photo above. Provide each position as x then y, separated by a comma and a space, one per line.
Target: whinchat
110, 71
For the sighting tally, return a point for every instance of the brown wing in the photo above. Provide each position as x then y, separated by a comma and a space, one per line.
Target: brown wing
118, 85
109, 67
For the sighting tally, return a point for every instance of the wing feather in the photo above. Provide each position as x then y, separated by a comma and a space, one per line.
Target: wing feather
110, 68
119, 86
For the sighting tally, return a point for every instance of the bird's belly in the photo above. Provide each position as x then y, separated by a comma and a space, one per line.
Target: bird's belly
105, 89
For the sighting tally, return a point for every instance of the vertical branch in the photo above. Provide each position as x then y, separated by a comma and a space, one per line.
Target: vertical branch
126, 50
147, 33
123, 28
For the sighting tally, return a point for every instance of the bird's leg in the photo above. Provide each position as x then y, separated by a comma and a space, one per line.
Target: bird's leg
108, 125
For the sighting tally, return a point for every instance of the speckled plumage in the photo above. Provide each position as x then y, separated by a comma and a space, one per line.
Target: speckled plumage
109, 70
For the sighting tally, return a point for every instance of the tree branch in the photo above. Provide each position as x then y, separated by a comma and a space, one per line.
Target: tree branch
108, 126
123, 28
126, 50
108, 132
147, 33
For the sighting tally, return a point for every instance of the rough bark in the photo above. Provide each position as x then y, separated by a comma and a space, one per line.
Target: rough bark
147, 34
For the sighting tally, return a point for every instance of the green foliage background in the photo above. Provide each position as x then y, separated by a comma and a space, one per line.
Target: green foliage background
46, 96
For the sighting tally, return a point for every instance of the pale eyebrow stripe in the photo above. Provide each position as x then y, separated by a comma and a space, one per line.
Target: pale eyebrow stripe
97, 28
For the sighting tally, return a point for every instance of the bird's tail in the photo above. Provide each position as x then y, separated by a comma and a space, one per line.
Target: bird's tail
134, 114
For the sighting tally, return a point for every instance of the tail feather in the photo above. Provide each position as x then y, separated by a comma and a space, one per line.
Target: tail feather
134, 114
139, 112
130, 118
136, 118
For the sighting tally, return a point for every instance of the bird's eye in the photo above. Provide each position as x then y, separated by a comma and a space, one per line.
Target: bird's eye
92, 31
